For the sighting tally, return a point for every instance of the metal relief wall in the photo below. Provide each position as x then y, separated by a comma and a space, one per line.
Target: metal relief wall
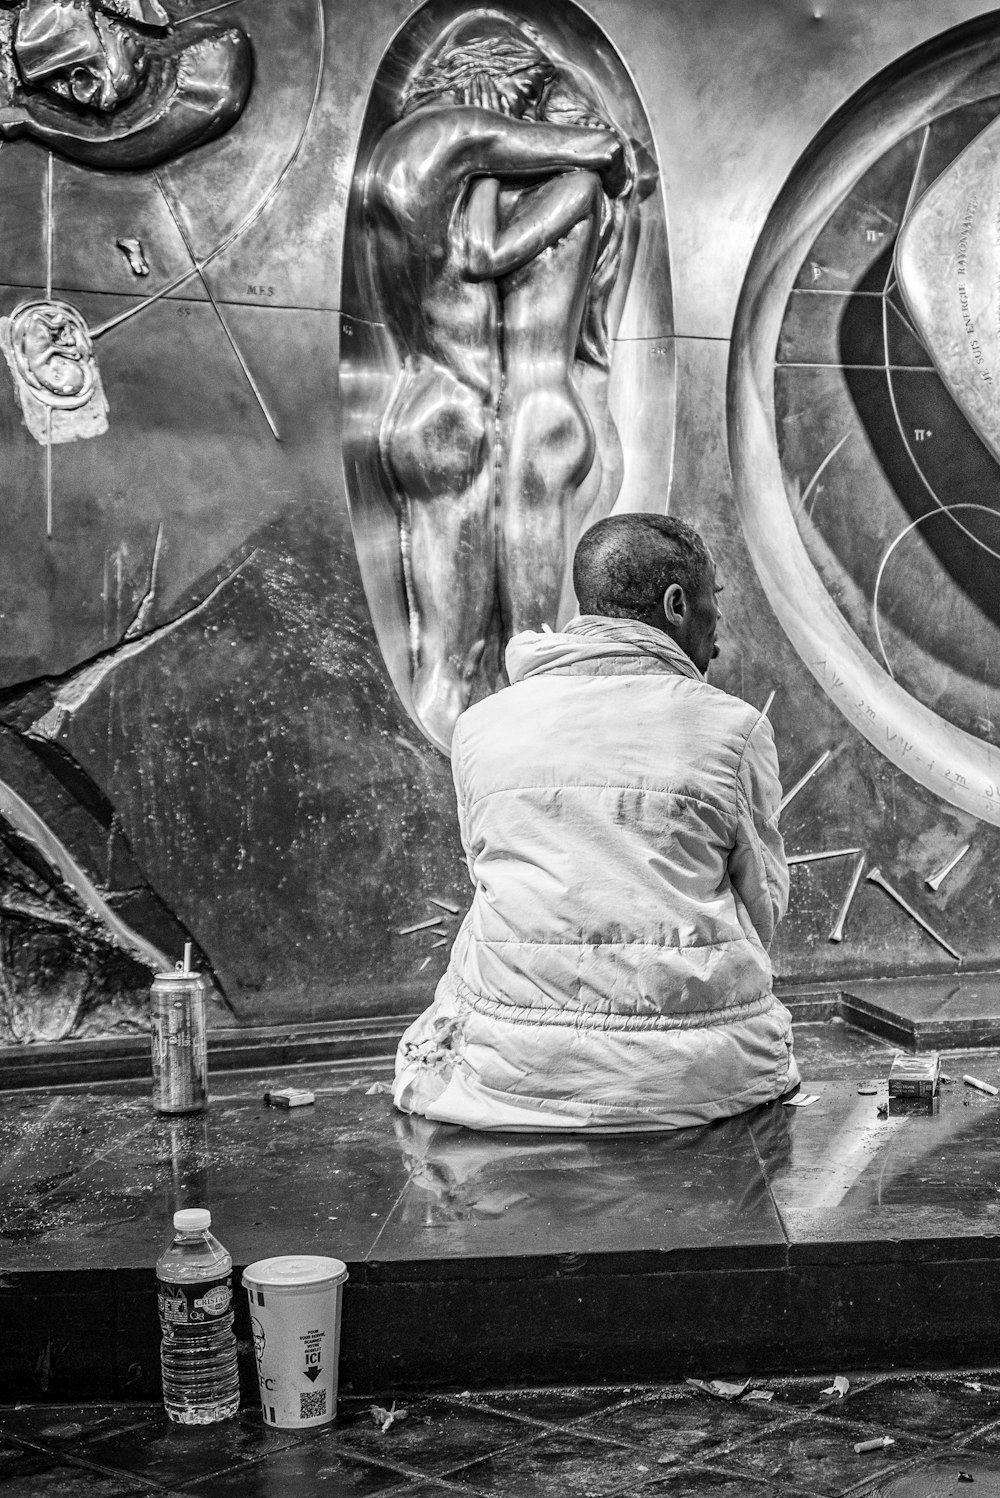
327, 329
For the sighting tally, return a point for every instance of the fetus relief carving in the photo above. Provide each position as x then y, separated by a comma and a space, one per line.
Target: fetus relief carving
500, 211
50, 355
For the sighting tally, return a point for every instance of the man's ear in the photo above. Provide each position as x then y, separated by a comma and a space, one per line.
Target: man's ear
674, 605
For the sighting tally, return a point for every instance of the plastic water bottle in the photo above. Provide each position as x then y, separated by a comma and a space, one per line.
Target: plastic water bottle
194, 1292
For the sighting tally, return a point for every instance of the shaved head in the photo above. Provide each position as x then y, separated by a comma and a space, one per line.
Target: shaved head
624, 564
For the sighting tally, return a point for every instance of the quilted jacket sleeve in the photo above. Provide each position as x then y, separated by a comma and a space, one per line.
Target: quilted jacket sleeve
757, 867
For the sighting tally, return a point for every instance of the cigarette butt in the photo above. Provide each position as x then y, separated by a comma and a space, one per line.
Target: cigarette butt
423, 964
981, 1086
877, 1443
442, 943
447, 905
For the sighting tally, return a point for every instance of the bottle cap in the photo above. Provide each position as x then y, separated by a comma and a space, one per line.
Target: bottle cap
192, 1220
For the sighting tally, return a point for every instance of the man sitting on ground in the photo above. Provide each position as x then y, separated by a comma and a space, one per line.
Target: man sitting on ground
620, 820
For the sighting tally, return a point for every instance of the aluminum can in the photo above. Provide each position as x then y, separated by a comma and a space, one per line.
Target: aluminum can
180, 1052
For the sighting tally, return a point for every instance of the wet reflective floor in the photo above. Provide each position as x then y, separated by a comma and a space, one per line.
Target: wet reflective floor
783, 1437
779, 1240
89, 1178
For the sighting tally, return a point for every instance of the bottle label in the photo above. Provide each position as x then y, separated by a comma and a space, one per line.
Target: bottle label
189, 1305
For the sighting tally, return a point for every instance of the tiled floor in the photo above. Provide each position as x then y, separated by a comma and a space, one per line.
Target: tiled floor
669, 1440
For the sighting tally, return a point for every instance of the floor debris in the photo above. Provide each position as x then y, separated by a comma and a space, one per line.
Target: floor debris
289, 1097
802, 1100
839, 1386
981, 1086
718, 1387
877, 1443
384, 1418
545, 1450
378, 1087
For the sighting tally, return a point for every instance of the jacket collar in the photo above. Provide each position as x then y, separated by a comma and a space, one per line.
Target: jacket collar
592, 644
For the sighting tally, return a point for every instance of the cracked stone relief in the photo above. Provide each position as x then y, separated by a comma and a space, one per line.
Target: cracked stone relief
79, 920
112, 85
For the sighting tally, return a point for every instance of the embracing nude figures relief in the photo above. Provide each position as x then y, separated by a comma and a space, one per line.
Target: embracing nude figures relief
497, 208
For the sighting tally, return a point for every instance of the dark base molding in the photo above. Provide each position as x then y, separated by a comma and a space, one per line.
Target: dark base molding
924, 1013
82, 1063
474, 1324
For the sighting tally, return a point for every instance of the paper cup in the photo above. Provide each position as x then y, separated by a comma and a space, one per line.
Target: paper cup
295, 1314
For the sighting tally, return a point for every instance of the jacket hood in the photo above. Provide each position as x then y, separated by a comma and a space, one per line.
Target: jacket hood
593, 643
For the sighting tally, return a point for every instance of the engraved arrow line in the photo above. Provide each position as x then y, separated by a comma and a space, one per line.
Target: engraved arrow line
818, 857
255, 212
966, 504
49, 251
910, 200
941, 506
913, 333
935, 881
49, 233
816, 476
223, 5
875, 877
218, 312
805, 779
48, 471
864, 368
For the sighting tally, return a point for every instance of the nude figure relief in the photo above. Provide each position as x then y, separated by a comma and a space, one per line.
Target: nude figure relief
497, 209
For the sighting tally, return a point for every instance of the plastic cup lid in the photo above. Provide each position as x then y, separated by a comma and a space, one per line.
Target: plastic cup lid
192, 1219
295, 1271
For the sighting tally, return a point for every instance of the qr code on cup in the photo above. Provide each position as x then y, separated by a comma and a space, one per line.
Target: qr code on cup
312, 1405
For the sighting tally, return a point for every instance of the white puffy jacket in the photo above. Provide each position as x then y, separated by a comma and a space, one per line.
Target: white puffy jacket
619, 816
